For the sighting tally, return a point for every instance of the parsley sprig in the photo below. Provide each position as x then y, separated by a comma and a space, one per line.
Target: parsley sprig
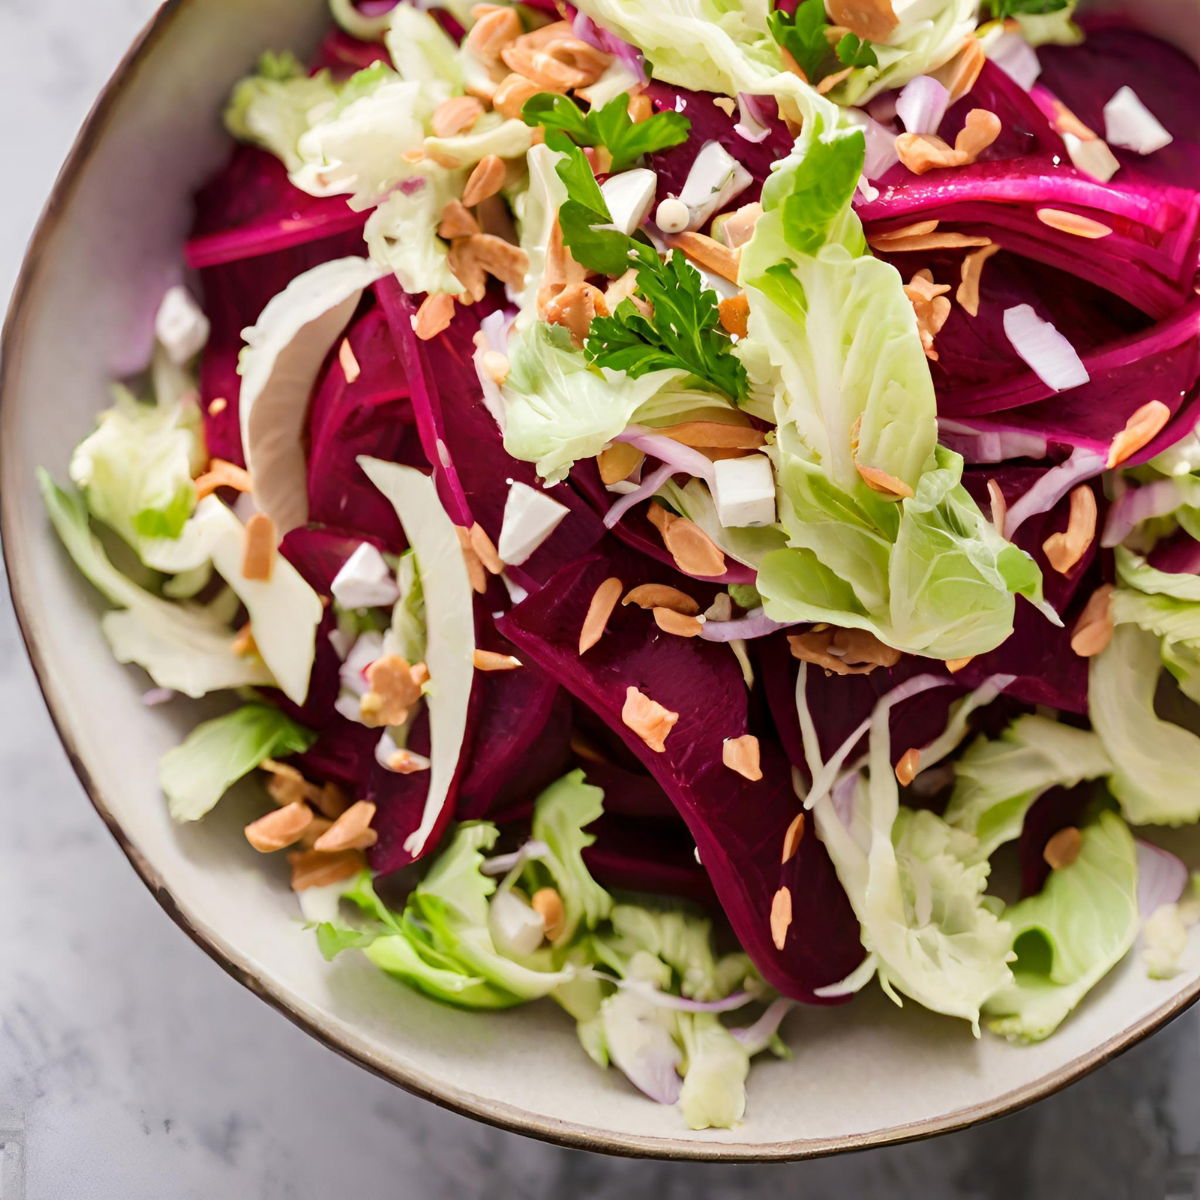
803, 35
611, 126
683, 331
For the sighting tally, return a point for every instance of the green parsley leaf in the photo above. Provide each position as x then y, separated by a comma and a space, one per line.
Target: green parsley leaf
853, 51
683, 333
610, 126
1003, 9
802, 35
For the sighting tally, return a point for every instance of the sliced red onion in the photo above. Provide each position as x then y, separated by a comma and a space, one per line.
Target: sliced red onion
1016, 58
156, 696
660, 999
757, 1037
642, 1048
881, 145
1053, 486
586, 30
753, 114
754, 624
647, 488
882, 108
1045, 351
990, 445
683, 459
922, 104
1161, 878
1139, 504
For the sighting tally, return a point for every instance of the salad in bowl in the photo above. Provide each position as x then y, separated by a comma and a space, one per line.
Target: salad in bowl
693, 509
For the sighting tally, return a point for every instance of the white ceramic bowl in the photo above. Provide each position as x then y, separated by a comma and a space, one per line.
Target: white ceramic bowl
108, 244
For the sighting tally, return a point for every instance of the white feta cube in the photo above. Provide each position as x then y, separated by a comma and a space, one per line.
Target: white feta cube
365, 580
180, 326
530, 517
744, 491
1128, 123
629, 197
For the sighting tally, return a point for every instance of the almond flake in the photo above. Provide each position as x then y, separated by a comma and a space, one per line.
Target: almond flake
494, 255
618, 462
1064, 550
675, 623
495, 366
928, 241
972, 274
1139, 431
621, 288
222, 474
575, 308
434, 315
842, 651
708, 253
495, 27
316, 827
475, 571
315, 868
510, 97
734, 315
485, 549
217, 406
662, 595
599, 610
405, 762
916, 229
243, 642
882, 482
694, 552
954, 665
279, 829
908, 766
714, 434
547, 903
959, 75
640, 108
486, 179
792, 838
1094, 629
351, 831
831, 81
781, 917
329, 800
349, 364
999, 505
258, 553
454, 116
286, 785
741, 754
648, 719
489, 660
392, 694
457, 221
1063, 848
1069, 222
871, 20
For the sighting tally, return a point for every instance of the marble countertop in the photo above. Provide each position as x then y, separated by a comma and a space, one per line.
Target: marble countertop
132, 1068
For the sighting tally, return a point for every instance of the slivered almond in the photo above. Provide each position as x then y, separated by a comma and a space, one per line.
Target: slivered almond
923, 152
286, 785
510, 97
547, 903
485, 549
734, 314
349, 364
658, 516
831, 81
1064, 550
221, 474
351, 831
620, 289
1063, 848
781, 917
485, 180
648, 719
931, 241
316, 827
551, 74
640, 108
457, 221
959, 74
741, 754
694, 552
883, 483
954, 665
980, 129
475, 569
1069, 222
908, 766
972, 274
792, 838
708, 253
489, 660
714, 434
1065, 121
494, 28
618, 462
464, 263
931, 307
456, 115
561, 269
842, 651
676, 623
1094, 629
735, 229
1141, 429
392, 694
575, 308
218, 406
434, 315
258, 553
279, 829
599, 610
315, 868
329, 800
998, 504
872, 20
916, 229
506, 262
543, 34
661, 595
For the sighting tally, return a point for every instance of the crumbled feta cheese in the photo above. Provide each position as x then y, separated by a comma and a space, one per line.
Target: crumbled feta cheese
180, 326
744, 491
715, 179
530, 517
365, 580
1128, 123
629, 197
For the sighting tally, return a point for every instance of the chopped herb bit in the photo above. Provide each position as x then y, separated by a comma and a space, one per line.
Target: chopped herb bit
802, 35
683, 331
610, 126
853, 51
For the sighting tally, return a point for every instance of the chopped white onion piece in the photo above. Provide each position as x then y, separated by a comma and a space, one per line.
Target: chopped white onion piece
629, 197
1092, 156
516, 928
922, 104
1016, 58
1047, 353
716, 178
365, 580
530, 517
181, 327
1128, 123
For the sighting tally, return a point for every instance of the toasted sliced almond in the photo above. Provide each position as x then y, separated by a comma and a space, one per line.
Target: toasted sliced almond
1064, 550
1063, 848
495, 27
548, 72
258, 553
316, 827
351, 831
434, 315
831, 81
1094, 629
599, 610
694, 552
923, 152
708, 253
495, 366
393, 692
1065, 121
475, 569
734, 314
972, 274
959, 75
741, 754
1069, 222
662, 595
221, 474
792, 838
486, 179
510, 97
980, 129
882, 482
218, 406
999, 505
315, 868
916, 229
405, 762
506, 262
931, 307
456, 115
781, 917
954, 665
659, 517
283, 827
286, 785
618, 462
547, 903
648, 719
575, 308
420, 674
929, 241
676, 623
349, 364
714, 434
490, 660
485, 549
1141, 429
640, 108
457, 221
329, 800
908, 766
842, 651
871, 20
620, 289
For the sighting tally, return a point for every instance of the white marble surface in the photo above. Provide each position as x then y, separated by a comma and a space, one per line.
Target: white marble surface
132, 1068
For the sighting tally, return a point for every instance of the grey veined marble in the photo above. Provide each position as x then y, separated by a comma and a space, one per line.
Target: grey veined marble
131, 1068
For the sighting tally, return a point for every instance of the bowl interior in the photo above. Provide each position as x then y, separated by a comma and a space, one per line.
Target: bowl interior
864, 1074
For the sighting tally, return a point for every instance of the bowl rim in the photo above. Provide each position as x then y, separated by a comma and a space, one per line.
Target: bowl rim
495, 1113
